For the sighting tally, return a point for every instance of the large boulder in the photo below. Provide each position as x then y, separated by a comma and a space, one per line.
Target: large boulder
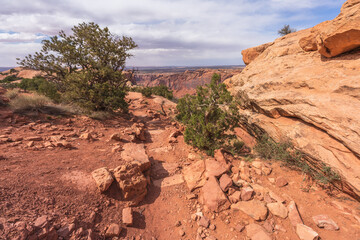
132, 182
133, 152
298, 94
213, 197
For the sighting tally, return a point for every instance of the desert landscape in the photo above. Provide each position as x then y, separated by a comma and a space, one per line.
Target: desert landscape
265, 151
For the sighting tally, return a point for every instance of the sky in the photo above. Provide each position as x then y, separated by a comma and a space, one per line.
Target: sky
168, 32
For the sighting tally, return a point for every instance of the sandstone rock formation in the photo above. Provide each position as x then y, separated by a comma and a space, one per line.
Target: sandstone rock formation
305, 87
184, 82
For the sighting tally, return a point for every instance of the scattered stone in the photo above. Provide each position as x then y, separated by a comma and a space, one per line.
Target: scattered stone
139, 131
86, 136
257, 164
306, 233
192, 156
115, 137
294, 215
181, 232
212, 227
246, 193
276, 197
191, 196
173, 140
254, 208
215, 168
136, 152
225, 182
116, 149
64, 144
266, 170
280, 228
113, 230
178, 224
66, 230
175, 134
194, 175
131, 181
281, 182
204, 222
219, 157
30, 144
239, 227
41, 222
257, 232
278, 209
48, 144
127, 216
235, 197
269, 225
103, 178
34, 138
213, 197
324, 221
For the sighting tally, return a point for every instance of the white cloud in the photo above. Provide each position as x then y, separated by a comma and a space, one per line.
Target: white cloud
173, 32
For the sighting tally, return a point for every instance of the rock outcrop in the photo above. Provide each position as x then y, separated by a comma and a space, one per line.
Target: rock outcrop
305, 87
183, 83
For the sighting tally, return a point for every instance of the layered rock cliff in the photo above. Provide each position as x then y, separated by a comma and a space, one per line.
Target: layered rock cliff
305, 87
185, 82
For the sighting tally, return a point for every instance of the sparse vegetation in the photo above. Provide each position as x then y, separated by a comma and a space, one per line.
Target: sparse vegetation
161, 90
41, 86
11, 94
86, 66
208, 116
9, 79
286, 30
35, 103
285, 152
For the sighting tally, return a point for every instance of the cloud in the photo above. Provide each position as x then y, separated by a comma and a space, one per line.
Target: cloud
176, 32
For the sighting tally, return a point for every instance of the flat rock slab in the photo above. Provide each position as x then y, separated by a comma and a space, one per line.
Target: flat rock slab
133, 152
213, 197
257, 232
324, 221
306, 233
194, 175
169, 181
254, 208
278, 209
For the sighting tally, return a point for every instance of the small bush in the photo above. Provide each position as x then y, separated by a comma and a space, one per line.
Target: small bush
208, 116
11, 94
161, 90
41, 86
10, 85
9, 79
13, 71
146, 92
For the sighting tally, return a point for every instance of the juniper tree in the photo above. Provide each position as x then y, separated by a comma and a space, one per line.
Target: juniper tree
86, 65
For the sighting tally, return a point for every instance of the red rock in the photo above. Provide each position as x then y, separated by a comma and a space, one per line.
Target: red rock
225, 182
278, 209
113, 230
214, 168
213, 197
306, 233
204, 222
281, 182
133, 152
246, 193
254, 208
41, 222
235, 197
103, 178
127, 216
256, 232
194, 175
66, 230
294, 215
324, 221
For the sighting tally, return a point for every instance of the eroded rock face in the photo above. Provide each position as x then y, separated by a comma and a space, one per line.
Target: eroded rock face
296, 93
131, 181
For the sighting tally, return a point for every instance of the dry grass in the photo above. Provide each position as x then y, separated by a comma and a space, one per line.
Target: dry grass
34, 103
11, 94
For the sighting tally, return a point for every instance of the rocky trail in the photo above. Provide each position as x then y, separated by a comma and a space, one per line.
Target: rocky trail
133, 177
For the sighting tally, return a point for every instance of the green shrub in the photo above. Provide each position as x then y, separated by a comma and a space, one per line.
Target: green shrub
208, 116
41, 86
13, 71
10, 85
146, 92
9, 79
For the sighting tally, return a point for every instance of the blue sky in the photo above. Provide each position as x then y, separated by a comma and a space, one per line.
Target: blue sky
169, 33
